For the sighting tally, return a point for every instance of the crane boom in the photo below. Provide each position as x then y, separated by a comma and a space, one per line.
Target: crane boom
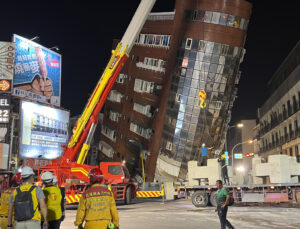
86, 124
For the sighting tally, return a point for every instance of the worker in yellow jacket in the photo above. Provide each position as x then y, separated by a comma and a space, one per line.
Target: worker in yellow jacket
54, 200
4, 201
97, 206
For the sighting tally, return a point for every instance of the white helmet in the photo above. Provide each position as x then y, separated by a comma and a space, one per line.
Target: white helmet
47, 177
54, 180
26, 172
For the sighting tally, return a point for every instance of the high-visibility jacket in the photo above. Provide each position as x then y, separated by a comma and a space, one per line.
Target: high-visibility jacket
26, 187
53, 200
4, 201
97, 203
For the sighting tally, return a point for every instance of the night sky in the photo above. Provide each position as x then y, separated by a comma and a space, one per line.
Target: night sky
84, 34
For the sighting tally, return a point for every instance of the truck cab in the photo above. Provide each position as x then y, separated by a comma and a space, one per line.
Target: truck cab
114, 172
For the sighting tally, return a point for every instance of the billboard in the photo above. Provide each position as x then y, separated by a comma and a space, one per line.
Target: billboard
37, 73
43, 130
7, 58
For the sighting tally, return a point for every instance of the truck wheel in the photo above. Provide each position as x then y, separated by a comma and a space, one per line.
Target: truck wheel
200, 199
213, 199
128, 195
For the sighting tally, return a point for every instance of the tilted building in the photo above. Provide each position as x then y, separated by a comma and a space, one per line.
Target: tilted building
154, 109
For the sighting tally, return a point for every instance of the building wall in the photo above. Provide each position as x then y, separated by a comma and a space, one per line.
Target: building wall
279, 118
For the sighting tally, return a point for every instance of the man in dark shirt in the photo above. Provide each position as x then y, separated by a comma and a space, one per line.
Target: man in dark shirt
223, 198
224, 170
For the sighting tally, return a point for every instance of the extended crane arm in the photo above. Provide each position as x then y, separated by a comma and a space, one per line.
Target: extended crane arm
80, 140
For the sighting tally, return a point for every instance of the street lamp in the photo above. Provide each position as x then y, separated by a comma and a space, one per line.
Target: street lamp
241, 143
238, 125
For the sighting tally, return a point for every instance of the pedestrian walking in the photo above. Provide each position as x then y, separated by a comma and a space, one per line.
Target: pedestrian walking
223, 199
54, 200
28, 204
97, 206
4, 201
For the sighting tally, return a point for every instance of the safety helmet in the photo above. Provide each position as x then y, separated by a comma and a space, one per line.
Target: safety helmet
95, 175
47, 177
26, 172
54, 180
17, 179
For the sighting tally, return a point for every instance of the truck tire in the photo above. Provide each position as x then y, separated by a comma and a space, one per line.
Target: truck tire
200, 199
213, 199
128, 195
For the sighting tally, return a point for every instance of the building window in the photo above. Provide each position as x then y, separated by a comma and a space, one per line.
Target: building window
188, 44
289, 108
297, 153
291, 151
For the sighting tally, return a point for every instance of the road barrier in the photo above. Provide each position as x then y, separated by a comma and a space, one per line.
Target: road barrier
151, 194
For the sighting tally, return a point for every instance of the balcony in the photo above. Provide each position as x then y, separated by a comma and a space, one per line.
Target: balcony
106, 149
115, 96
151, 67
142, 109
141, 131
109, 133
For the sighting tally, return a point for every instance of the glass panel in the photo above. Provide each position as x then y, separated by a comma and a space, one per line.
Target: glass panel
198, 65
194, 119
205, 67
187, 82
223, 19
185, 91
194, 83
177, 132
199, 56
189, 109
183, 71
215, 18
180, 116
187, 117
192, 128
207, 57
209, 47
215, 59
179, 124
237, 21
189, 73
191, 63
222, 87
185, 126
196, 111
190, 101
213, 68
207, 16
193, 55
195, 45
183, 99
196, 74
217, 48
200, 15
230, 20
186, 53
192, 92
203, 76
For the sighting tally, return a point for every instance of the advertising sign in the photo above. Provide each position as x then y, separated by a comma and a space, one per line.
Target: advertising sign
238, 156
43, 131
7, 58
37, 72
4, 108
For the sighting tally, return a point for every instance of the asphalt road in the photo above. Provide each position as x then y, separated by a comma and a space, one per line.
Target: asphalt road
181, 214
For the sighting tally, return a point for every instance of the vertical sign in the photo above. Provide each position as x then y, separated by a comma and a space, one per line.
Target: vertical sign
7, 58
226, 157
4, 108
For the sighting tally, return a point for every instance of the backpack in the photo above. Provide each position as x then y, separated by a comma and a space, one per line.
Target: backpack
231, 201
23, 205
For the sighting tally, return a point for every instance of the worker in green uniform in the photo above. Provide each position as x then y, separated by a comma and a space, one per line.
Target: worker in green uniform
223, 199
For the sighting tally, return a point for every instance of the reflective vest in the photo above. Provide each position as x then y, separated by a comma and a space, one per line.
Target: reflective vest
53, 201
4, 201
97, 203
26, 187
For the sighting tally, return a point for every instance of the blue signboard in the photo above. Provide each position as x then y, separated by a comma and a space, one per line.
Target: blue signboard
43, 131
37, 73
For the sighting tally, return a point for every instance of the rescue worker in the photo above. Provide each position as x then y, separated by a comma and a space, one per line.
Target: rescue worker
97, 206
63, 193
28, 204
5, 196
54, 200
